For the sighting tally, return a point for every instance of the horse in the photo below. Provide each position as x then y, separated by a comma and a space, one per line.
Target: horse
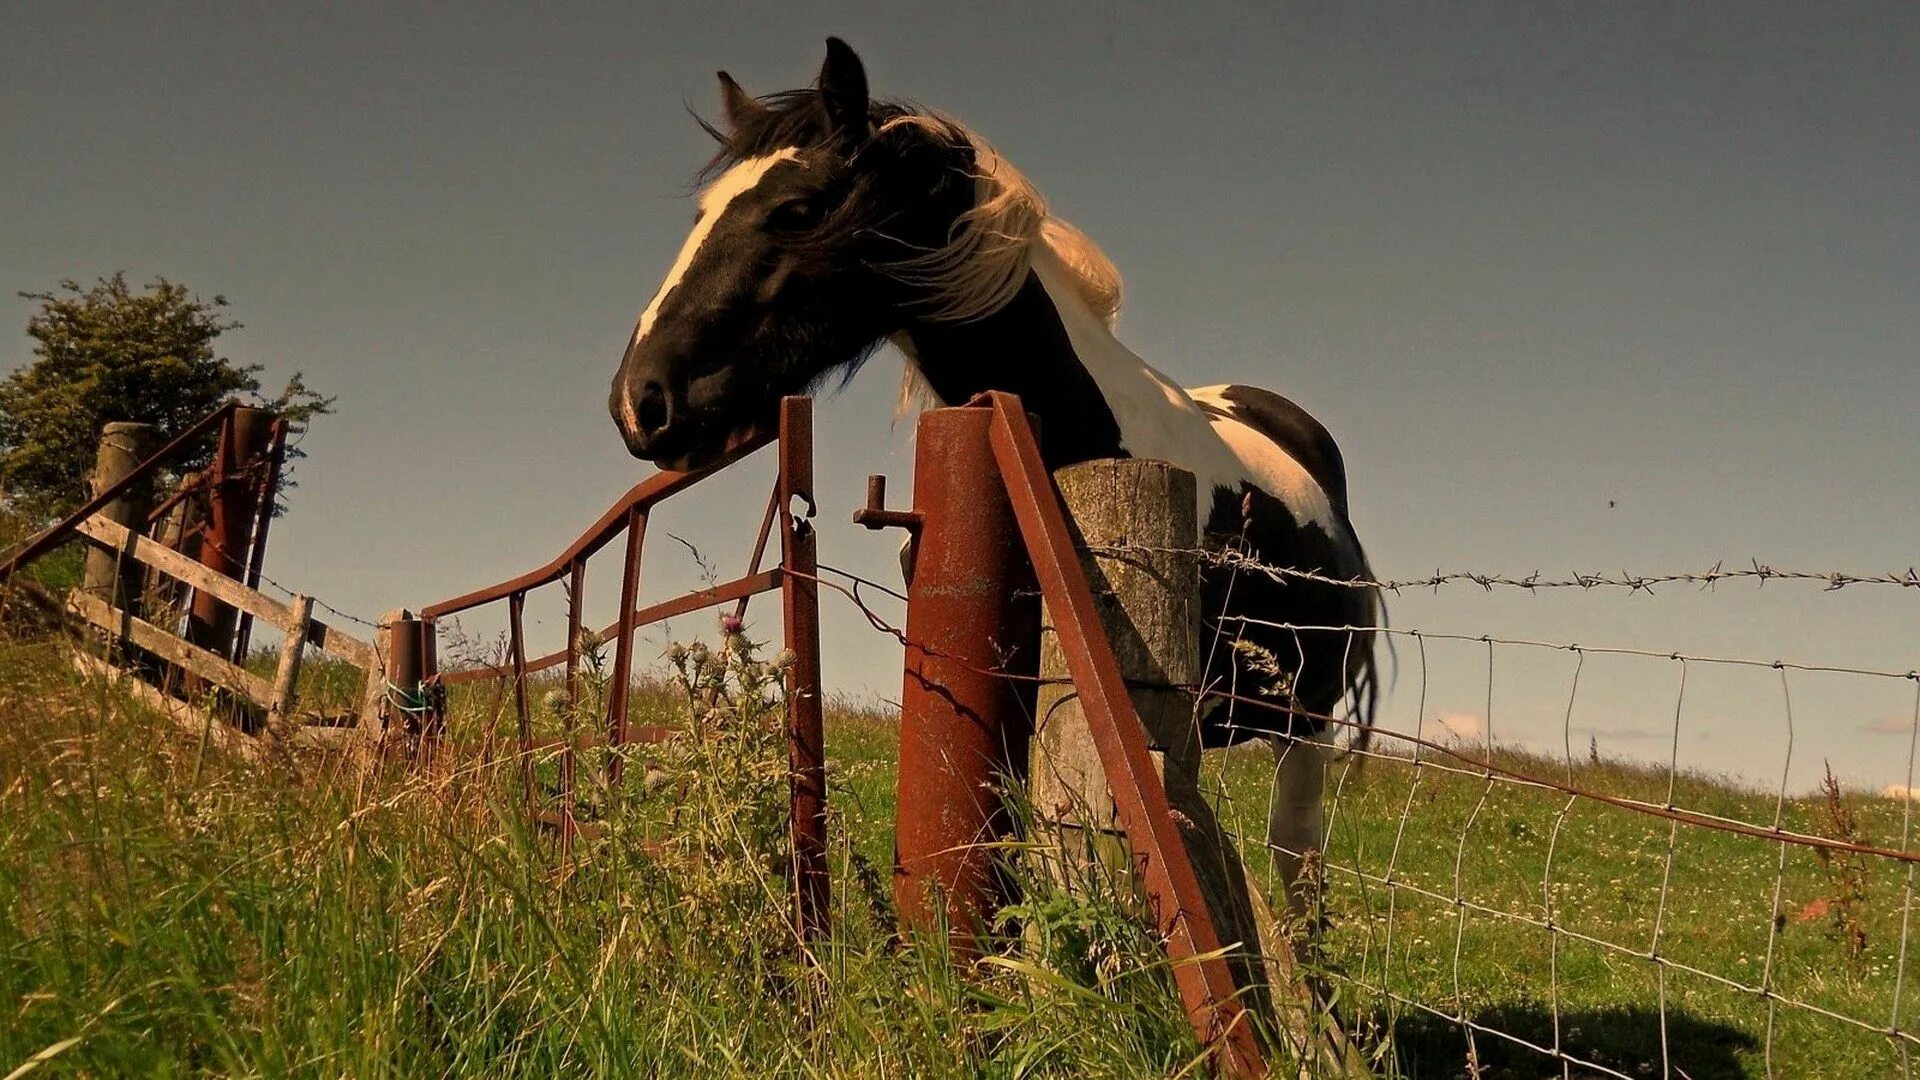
832, 222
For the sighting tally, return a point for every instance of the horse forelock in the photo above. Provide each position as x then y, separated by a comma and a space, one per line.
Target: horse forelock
990, 249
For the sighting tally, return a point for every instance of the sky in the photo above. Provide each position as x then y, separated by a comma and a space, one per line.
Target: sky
1577, 288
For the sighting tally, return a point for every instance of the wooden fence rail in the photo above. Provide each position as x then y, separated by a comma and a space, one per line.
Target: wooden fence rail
276, 698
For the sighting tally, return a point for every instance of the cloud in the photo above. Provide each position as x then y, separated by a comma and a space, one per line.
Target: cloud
1891, 725
1455, 726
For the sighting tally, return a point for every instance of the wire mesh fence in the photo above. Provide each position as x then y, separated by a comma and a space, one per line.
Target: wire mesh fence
1500, 907
1520, 908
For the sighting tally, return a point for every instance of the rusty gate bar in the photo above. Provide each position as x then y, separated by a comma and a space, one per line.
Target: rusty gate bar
973, 618
230, 520
801, 623
263, 518
59, 532
576, 593
623, 647
576, 589
737, 590
516, 633
1173, 891
760, 545
806, 738
642, 495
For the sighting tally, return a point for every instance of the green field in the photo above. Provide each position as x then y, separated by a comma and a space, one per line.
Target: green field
166, 912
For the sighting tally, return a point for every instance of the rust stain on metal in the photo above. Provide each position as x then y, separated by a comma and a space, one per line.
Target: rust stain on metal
974, 618
800, 608
234, 501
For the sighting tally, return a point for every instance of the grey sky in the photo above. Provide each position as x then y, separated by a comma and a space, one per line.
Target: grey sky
1576, 288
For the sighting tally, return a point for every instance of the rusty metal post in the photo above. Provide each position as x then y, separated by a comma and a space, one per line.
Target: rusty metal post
973, 613
623, 646
576, 599
175, 524
517, 638
112, 576
806, 737
408, 704
262, 519
235, 498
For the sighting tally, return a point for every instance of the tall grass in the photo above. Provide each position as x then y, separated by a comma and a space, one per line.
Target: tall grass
164, 912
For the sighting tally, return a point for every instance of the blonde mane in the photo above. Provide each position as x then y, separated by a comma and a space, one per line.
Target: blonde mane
987, 257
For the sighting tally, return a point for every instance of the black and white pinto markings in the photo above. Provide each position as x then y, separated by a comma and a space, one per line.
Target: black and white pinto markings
832, 223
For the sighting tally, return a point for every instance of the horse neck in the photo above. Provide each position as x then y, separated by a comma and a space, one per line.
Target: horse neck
1024, 348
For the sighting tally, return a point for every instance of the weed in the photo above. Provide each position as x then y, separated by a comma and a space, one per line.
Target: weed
1846, 871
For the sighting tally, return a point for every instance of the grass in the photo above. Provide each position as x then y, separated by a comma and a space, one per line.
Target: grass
164, 912
1609, 871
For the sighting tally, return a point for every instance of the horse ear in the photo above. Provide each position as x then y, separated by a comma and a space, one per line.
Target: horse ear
843, 91
742, 109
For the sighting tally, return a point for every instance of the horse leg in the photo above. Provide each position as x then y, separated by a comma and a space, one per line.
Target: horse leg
1293, 812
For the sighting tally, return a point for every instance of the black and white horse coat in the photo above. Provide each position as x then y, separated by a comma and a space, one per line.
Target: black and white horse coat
833, 223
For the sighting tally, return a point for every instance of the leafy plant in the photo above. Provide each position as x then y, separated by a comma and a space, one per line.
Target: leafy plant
105, 352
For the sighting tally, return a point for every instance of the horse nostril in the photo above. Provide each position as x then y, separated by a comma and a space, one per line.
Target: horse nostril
653, 409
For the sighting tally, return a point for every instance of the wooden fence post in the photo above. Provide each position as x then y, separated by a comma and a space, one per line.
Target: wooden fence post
1138, 542
286, 677
1148, 601
110, 575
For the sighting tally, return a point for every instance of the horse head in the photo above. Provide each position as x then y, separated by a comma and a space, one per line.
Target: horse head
816, 199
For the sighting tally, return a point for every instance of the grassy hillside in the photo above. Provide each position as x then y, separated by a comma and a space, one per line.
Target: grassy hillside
164, 912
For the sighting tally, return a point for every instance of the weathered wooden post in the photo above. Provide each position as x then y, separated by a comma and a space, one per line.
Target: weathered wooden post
1138, 543
286, 676
972, 616
1136, 521
113, 576
244, 442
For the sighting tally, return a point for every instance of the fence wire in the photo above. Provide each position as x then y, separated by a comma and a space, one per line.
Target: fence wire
1662, 946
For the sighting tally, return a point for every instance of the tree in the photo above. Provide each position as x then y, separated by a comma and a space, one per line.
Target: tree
108, 353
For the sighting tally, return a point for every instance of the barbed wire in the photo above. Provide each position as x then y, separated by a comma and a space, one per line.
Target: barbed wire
287, 591
1449, 758
1758, 572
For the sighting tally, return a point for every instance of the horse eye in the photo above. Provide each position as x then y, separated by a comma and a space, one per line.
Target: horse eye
794, 214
